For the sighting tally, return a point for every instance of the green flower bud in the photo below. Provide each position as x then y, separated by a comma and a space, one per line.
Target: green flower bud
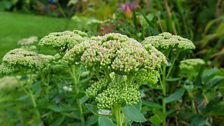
96, 87
122, 93
191, 67
74, 54
7, 69
147, 76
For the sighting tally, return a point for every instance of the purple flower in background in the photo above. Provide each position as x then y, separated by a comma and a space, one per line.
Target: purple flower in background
127, 8
130, 5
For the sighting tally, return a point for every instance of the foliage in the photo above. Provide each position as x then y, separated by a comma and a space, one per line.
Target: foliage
144, 74
109, 79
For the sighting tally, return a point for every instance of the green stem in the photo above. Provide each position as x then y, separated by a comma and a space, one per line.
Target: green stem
163, 85
75, 73
193, 106
29, 92
34, 104
173, 61
81, 111
20, 115
118, 115
46, 83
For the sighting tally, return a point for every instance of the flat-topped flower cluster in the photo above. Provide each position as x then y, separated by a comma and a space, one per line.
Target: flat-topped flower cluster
128, 60
20, 59
166, 41
62, 41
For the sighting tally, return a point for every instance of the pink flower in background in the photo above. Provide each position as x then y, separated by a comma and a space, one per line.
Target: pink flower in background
128, 8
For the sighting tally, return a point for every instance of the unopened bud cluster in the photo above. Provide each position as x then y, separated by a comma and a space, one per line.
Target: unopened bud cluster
63, 40
167, 41
115, 52
118, 93
18, 59
122, 56
191, 67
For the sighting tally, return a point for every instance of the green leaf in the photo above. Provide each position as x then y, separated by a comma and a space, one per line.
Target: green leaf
61, 108
133, 113
156, 120
58, 121
92, 108
176, 95
91, 120
104, 121
37, 88
151, 104
83, 99
172, 79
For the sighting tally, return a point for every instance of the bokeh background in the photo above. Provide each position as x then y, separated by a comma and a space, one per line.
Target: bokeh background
200, 21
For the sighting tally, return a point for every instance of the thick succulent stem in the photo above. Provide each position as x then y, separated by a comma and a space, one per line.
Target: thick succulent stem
118, 115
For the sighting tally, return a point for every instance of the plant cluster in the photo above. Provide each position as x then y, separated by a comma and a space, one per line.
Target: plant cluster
106, 79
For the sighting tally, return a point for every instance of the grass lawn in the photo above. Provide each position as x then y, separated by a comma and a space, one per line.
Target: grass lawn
15, 26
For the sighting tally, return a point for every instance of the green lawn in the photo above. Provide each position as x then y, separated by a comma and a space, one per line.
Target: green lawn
15, 26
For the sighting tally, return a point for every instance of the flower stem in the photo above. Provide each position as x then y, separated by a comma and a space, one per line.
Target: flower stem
118, 115
193, 106
81, 111
34, 104
75, 73
163, 85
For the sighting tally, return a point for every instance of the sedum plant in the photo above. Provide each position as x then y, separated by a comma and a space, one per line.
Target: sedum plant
22, 62
194, 67
118, 62
62, 42
175, 48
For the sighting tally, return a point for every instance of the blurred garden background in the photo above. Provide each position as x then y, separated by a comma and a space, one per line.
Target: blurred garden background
201, 21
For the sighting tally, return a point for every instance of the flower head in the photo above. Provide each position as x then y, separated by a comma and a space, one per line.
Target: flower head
128, 8
168, 41
124, 57
112, 93
74, 54
8, 83
63, 40
115, 52
19, 58
191, 66
28, 41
